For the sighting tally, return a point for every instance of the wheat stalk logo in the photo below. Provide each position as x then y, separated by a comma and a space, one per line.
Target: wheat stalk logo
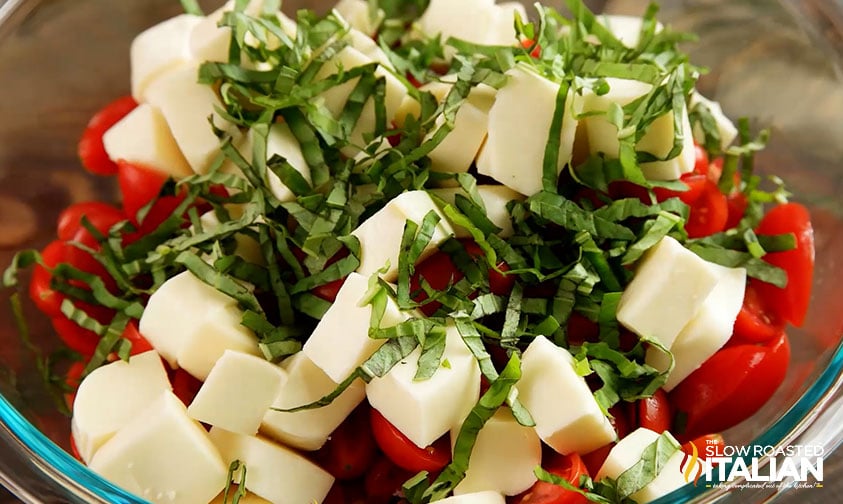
691, 465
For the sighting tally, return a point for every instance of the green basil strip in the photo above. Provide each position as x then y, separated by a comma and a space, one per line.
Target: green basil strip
111, 335
550, 161
223, 283
432, 350
22, 260
653, 460
285, 304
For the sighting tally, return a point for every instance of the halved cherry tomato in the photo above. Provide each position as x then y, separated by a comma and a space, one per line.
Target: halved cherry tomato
90, 149
439, 271
403, 452
133, 336
138, 186
571, 468
537, 49
730, 386
709, 445
708, 212
78, 338
72, 378
581, 329
736, 202
350, 451
696, 184
41, 292
754, 323
701, 162
74, 450
384, 480
654, 412
101, 215
791, 302
185, 386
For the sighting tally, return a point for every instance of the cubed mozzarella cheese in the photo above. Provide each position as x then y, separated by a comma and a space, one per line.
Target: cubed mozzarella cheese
143, 137
186, 105
670, 285
451, 19
495, 198
335, 98
159, 49
380, 235
707, 332
658, 140
728, 131
341, 342
627, 29
519, 125
280, 141
410, 106
163, 455
273, 471
473, 498
129, 386
246, 247
575, 425
306, 383
424, 410
192, 324
458, 150
359, 16
627, 452
237, 393
502, 24
503, 458
210, 42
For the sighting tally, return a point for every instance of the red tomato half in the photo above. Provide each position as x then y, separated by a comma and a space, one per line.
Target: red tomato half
696, 184
72, 379
571, 468
790, 303
350, 451
754, 323
138, 186
709, 212
101, 215
185, 386
133, 336
701, 162
654, 412
403, 452
77, 338
90, 149
730, 386
42, 294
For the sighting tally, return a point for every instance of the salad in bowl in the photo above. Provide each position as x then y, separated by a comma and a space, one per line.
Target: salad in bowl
418, 252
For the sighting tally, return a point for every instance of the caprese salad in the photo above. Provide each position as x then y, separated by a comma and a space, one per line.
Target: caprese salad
418, 251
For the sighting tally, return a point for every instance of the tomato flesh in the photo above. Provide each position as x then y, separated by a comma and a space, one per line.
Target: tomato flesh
654, 412
403, 452
709, 212
569, 467
791, 302
350, 450
730, 386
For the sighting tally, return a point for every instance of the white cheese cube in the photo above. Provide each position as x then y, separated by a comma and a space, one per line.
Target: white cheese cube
186, 105
336, 97
129, 386
728, 131
210, 42
519, 125
670, 285
424, 410
306, 383
458, 150
143, 137
237, 393
495, 198
274, 472
358, 15
380, 235
410, 106
503, 458
627, 29
575, 425
246, 247
341, 342
163, 455
707, 332
159, 49
473, 498
628, 452
502, 24
658, 140
192, 324
450, 19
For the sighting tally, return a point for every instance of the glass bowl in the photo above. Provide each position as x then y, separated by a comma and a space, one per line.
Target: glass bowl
777, 62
